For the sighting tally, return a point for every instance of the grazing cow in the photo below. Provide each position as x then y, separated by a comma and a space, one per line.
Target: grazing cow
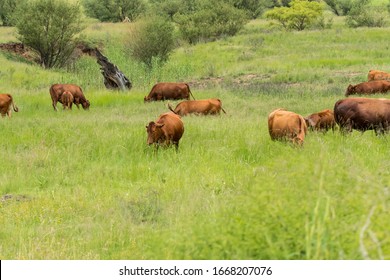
163, 91
380, 86
321, 121
377, 75
56, 91
210, 106
7, 104
286, 125
166, 130
363, 114
67, 100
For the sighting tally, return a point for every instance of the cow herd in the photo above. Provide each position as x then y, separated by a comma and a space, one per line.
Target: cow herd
350, 113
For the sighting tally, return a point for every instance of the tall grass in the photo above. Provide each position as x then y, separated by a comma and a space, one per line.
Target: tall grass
84, 184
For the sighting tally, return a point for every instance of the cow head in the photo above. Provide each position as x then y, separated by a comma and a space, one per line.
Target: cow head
312, 120
85, 104
154, 132
350, 90
146, 99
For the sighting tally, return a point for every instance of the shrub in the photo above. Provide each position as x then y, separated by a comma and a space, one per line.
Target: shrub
151, 39
7, 8
49, 28
362, 14
300, 15
114, 10
339, 7
210, 20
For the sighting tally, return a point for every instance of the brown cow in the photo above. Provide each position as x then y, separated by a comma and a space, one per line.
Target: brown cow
7, 104
363, 114
166, 130
377, 75
321, 121
67, 100
163, 91
56, 91
286, 125
372, 87
210, 106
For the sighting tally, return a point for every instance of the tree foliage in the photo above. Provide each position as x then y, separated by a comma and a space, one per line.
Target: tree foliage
209, 20
49, 28
340, 7
298, 16
7, 8
151, 39
114, 10
362, 14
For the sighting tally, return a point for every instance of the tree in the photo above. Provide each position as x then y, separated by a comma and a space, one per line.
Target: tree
114, 10
7, 8
254, 8
209, 20
151, 39
339, 7
363, 14
300, 15
49, 28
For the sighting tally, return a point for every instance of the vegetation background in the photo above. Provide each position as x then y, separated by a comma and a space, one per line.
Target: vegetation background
84, 184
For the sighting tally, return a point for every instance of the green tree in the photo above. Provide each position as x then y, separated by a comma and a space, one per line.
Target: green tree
114, 10
209, 20
254, 8
300, 15
339, 7
49, 27
151, 39
364, 14
7, 8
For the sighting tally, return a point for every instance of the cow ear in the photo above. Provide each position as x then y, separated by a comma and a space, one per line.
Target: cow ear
160, 124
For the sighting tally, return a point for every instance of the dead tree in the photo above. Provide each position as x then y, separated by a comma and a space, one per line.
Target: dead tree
113, 77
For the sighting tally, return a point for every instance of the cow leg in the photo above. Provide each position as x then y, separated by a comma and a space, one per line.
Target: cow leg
55, 105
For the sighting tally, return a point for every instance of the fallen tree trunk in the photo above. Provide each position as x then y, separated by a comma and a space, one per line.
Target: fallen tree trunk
113, 77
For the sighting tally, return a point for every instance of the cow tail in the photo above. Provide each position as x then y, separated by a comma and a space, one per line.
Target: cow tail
221, 106
170, 108
16, 109
188, 87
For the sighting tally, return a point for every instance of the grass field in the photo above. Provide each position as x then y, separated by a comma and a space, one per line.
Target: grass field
84, 184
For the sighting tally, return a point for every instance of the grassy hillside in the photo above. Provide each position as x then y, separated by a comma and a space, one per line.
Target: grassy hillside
84, 184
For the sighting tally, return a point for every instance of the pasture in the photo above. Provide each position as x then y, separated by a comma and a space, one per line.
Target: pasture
84, 184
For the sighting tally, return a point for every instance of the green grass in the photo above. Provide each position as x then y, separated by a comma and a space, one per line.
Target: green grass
86, 186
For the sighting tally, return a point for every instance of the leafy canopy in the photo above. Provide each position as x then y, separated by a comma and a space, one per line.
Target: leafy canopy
300, 15
49, 27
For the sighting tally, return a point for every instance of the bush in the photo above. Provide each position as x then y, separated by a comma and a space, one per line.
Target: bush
300, 15
114, 10
339, 7
7, 8
362, 14
210, 20
151, 39
49, 28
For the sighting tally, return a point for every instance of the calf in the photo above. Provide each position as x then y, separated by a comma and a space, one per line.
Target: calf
7, 104
286, 125
321, 121
67, 100
166, 130
210, 106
